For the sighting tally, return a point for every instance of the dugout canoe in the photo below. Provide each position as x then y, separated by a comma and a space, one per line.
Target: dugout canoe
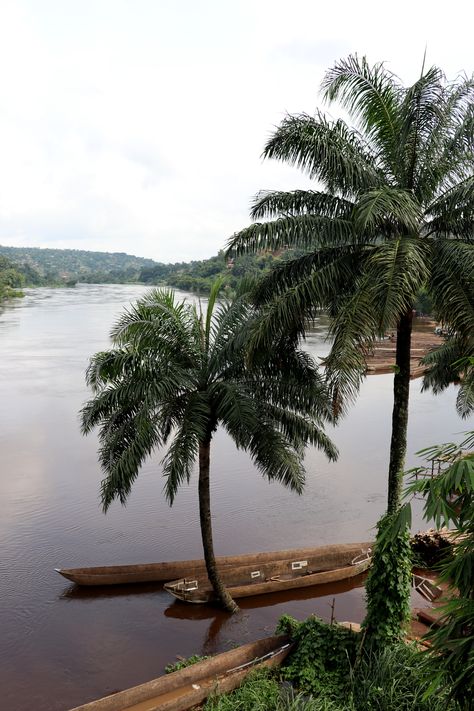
188, 687
166, 571
327, 564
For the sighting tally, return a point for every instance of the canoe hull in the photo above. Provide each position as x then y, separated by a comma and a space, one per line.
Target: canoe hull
188, 687
163, 572
330, 564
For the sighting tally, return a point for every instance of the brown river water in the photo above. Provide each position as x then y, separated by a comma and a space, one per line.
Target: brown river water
60, 645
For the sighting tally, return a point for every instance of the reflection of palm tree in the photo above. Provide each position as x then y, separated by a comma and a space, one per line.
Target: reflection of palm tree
395, 215
178, 373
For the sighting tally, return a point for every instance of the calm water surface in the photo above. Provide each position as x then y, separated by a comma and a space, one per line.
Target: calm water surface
61, 646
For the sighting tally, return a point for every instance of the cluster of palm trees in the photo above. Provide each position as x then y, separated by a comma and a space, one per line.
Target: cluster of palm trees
392, 213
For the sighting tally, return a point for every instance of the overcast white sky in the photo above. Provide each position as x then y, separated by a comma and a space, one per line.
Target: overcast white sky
138, 125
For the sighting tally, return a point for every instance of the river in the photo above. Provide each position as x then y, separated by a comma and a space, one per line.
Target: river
60, 646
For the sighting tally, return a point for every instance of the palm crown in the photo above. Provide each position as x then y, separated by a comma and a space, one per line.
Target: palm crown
176, 374
394, 214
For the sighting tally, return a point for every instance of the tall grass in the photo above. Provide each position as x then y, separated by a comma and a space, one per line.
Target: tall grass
392, 679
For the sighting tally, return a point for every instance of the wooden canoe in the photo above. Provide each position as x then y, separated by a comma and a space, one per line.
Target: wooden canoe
327, 564
163, 572
188, 687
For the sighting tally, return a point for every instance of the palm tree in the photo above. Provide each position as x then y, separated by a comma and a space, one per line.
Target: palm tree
175, 374
392, 213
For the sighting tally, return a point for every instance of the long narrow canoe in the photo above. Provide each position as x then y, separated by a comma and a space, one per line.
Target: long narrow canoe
327, 564
188, 687
162, 572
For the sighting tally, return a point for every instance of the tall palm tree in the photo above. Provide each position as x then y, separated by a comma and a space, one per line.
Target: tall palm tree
392, 213
174, 375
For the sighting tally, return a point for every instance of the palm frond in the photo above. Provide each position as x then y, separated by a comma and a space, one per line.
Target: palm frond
452, 362
372, 96
327, 151
387, 210
182, 452
271, 203
451, 284
300, 232
127, 439
452, 213
397, 270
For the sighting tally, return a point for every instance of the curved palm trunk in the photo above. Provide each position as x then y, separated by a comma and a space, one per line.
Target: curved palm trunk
401, 393
206, 528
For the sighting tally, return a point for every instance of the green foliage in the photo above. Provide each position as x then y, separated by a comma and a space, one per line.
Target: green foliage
453, 362
11, 279
183, 663
322, 659
260, 692
56, 267
388, 582
446, 482
176, 374
330, 664
394, 678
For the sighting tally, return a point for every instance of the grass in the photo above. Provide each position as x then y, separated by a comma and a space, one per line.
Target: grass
390, 680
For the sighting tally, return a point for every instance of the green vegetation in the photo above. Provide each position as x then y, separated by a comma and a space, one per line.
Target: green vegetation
178, 373
56, 267
329, 671
449, 501
452, 362
11, 280
388, 584
59, 267
322, 659
199, 276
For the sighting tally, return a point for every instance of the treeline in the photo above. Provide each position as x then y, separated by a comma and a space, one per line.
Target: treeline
53, 267
34, 266
198, 276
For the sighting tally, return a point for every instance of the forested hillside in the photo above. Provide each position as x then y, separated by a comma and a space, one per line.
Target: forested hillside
57, 266
67, 266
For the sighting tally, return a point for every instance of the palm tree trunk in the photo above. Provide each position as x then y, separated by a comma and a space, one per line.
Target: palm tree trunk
206, 528
401, 393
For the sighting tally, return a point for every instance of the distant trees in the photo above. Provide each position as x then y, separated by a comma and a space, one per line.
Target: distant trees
11, 279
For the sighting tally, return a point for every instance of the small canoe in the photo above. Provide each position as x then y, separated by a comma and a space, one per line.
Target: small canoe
327, 564
162, 572
188, 687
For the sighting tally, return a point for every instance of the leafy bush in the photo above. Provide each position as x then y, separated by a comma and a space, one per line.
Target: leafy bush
321, 661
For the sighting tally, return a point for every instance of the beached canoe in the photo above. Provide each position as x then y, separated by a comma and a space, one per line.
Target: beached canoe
163, 572
327, 564
188, 687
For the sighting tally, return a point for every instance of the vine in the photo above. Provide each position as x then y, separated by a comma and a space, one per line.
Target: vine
389, 581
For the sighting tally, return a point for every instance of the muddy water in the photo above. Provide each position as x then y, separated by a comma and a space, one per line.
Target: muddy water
60, 646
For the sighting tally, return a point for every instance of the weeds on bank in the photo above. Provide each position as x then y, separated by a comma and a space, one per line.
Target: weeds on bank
327, 671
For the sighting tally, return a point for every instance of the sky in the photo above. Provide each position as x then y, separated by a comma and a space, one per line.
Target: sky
138, 125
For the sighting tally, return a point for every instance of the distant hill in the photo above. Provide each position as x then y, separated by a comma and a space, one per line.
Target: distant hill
42, 267
60, 265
